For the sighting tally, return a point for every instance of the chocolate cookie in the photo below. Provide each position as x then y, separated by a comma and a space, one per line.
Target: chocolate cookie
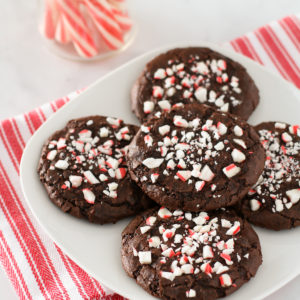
84, 170
196, 158
177, 255
274, 201
199, 75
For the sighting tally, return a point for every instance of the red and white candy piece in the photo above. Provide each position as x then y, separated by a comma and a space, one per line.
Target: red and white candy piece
199, 185
222, 128
61, 143
148, 107
150, 220
286, 137
240, 142
180, 122
154, 241
234, 229
295, 129
207, 252
120, 173
91, 178
255, 204
184, 175
225, 280
51, 154
164, 213
160, 74
231, 170
190, 293
157, 91
164, 105
89, 196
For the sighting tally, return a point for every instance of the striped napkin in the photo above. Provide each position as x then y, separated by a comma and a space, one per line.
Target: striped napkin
37, 268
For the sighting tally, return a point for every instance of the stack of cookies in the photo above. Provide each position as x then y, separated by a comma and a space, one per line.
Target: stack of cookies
195, 172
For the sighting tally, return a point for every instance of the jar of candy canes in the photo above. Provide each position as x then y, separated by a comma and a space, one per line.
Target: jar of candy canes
86, 29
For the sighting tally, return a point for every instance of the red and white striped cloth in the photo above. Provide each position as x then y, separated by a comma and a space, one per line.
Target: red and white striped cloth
37, 268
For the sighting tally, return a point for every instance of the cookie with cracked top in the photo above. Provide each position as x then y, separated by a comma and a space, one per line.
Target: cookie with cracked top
84, 170
197, 75
176, 255
196, 158
274, 202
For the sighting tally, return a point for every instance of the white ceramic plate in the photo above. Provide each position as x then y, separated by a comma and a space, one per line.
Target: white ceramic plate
97, 248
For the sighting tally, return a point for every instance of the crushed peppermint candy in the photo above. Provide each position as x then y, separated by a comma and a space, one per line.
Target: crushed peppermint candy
207, 81
91, 155
192, 150
181, 244
279, 184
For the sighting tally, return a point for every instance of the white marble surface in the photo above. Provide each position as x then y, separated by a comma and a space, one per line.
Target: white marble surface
30, 75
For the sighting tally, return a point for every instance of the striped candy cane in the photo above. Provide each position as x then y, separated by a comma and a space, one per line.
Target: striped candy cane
106, 23
120, 14
61, 34
50, 18
77, 28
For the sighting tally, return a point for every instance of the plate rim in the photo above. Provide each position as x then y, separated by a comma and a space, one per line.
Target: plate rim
223, 50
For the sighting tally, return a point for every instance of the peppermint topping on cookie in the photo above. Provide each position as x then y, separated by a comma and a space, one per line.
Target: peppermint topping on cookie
192, 150
282, 170
191, 243
91, 156
204, 81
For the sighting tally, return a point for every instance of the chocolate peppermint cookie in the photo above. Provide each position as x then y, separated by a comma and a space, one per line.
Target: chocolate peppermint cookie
196, 158
198, 75
274, 201
84, 170
182, 255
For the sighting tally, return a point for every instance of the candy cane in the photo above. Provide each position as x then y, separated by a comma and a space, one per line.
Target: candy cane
77, 28
122, 18
105, 21
49, 19
61, 33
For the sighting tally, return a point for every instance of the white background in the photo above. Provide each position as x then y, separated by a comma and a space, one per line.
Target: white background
30, 75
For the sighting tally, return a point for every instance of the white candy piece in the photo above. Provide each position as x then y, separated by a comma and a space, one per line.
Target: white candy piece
238, 156
75, 180
219, 268
160, 74
144, 229
90, 177
231, 170
238, 131
225, 223
164, 105
190, 293
280, 125
279, 205
168, 275
163, 130
240, 142
206, 174
89, 196
62, 164
219, 146
51, 154
254, 204
148, 107
225, 107
201, 94
294, 195
152, 163
145, 257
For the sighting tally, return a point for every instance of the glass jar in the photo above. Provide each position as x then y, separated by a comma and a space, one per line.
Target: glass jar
86, 29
